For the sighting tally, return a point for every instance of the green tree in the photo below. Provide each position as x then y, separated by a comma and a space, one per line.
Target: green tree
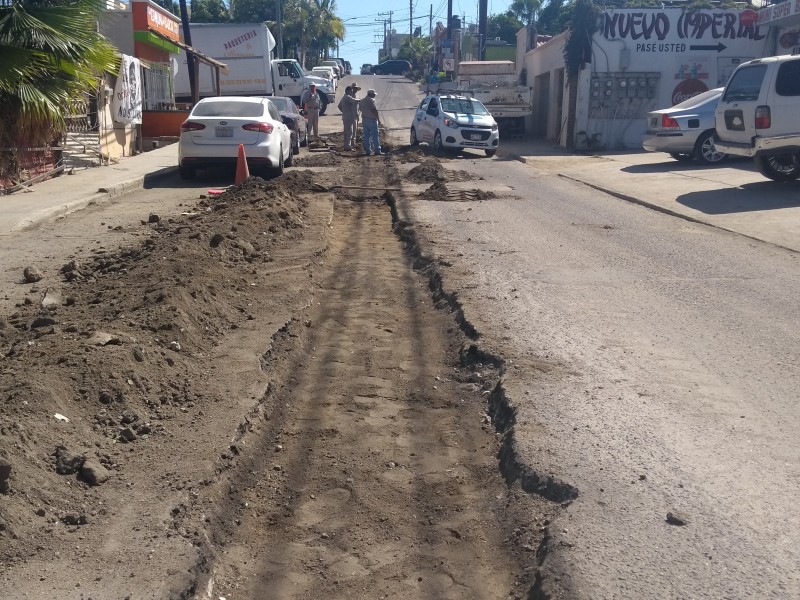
209, 11
171, 6
554, 17
505, 26
525, 10
52, 56
329, 29
311, 28
419, 52
252, 11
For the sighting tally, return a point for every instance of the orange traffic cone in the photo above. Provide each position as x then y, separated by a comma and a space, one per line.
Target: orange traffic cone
242, 172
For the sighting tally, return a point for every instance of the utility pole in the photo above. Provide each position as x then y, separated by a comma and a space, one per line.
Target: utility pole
430, 22
389, 45
279, 20
385, 41
191, 62
410, 19
483, 6
449, 18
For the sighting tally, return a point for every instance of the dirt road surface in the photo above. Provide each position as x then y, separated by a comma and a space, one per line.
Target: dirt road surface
264, 395
490, 384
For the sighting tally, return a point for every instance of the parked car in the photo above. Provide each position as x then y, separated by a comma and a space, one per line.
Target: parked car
686, 131
366, 69
328, 74
451, 121
757, 116
336, 67
296, 122
342, 65
348, 67
392, 67
217, 125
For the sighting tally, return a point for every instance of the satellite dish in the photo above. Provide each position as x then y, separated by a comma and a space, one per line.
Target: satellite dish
174, 64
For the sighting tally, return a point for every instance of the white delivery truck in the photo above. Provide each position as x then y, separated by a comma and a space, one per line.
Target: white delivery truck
246, 48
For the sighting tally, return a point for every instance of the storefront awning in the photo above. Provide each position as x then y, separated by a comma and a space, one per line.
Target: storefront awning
222, 67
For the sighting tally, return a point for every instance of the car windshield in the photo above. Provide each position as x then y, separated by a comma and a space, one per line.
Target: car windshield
463, 106
699, 99
228, 108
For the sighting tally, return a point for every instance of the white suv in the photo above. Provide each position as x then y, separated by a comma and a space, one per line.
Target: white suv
757, 116
450, 121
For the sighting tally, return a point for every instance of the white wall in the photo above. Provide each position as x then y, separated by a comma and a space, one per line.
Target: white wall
117, 26
675, 53
547, 58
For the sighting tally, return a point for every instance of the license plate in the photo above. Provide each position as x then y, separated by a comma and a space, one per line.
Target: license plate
476, 137
224, 131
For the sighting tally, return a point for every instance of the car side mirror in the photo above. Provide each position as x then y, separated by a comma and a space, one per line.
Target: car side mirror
288, 121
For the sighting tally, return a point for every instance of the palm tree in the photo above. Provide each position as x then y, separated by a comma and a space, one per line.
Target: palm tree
298, 26
330, 27
418, 51
312, 27
52, 56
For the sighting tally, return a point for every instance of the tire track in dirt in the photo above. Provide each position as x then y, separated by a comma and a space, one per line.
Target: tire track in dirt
373, 473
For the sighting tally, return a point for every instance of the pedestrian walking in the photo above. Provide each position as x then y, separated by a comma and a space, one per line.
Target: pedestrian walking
370, 119
311, 103
348, 106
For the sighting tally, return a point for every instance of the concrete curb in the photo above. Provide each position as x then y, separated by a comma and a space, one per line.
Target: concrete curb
650, 205
137, 183
672, 213
103, 194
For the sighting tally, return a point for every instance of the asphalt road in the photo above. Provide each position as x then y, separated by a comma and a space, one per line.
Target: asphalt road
654, 364
397, 98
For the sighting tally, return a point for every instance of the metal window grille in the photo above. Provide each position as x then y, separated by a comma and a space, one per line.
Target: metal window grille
157, 86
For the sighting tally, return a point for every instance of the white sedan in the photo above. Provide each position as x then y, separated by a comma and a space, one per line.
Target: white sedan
217, 126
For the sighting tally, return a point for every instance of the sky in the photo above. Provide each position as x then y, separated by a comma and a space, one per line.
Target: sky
364, 22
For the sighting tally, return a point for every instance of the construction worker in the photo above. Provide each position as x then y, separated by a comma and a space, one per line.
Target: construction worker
348, 106
310, 102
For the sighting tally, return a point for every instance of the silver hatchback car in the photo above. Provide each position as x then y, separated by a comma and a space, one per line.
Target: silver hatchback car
686, 131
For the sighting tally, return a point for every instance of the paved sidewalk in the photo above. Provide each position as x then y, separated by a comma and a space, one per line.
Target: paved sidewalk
55, 198
732, 196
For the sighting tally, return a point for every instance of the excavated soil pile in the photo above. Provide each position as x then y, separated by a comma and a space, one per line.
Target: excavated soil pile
320, 159
413, 154
439, 192
431, 170
120, 357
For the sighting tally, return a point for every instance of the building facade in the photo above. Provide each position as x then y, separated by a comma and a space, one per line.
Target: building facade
642, 60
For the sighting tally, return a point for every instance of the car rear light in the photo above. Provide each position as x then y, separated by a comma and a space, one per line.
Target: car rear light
669, 123
190, 126
262, 127
763, 117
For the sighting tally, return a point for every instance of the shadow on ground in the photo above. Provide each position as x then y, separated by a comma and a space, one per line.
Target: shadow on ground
767, 195
674, 166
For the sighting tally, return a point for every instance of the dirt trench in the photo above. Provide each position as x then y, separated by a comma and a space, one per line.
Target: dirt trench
369, 468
